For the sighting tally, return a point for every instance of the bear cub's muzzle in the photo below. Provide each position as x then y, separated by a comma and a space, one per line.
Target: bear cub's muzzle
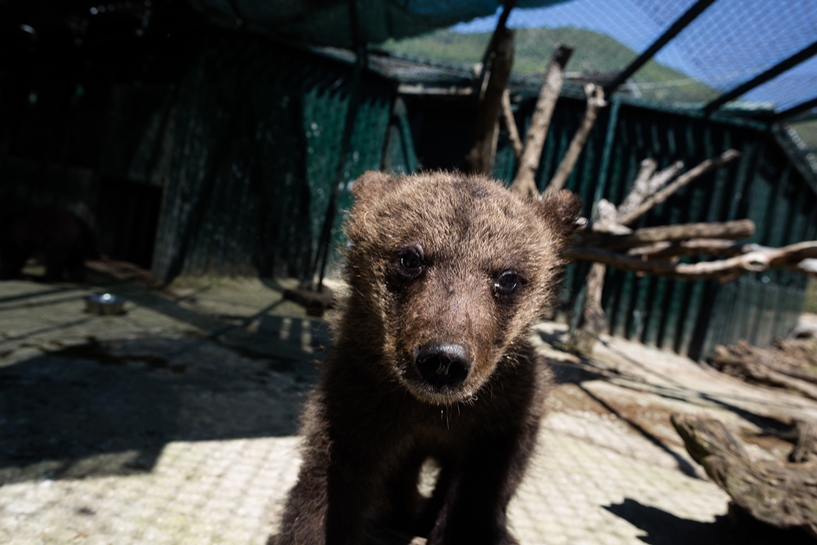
443, 366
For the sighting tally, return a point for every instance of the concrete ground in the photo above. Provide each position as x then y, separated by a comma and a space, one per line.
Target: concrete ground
174, 423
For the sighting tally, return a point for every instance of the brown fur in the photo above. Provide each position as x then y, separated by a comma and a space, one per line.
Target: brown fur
430, 361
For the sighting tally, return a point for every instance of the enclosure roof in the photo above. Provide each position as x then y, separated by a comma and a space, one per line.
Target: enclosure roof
345, 23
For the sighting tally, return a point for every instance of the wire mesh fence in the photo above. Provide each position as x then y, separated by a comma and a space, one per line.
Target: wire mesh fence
730, 42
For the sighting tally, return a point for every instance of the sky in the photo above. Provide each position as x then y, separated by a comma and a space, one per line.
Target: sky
729, 43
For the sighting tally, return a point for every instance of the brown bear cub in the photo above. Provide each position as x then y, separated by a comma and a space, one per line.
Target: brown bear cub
431, 361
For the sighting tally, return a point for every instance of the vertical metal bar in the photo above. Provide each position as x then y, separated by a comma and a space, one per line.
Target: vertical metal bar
361, 60
607, 153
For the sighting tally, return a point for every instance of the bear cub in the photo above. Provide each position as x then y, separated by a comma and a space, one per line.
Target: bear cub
446, 273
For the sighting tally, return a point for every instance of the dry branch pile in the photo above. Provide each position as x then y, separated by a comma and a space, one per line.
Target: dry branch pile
608, 240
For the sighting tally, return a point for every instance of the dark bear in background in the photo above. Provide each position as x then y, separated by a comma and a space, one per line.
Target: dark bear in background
431, 361
51, 234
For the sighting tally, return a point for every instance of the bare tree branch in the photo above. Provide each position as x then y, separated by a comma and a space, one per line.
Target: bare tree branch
684, 179
752, 259
646, 183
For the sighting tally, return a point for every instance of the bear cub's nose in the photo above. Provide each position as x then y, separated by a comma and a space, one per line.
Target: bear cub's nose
443, 364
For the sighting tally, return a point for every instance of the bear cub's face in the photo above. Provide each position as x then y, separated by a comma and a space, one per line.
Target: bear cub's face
447, 272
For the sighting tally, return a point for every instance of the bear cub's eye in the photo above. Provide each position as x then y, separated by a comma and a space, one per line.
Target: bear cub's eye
507, 282
411, 262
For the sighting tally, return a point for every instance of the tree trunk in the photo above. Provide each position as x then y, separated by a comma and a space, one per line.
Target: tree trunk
593, 319
482, 154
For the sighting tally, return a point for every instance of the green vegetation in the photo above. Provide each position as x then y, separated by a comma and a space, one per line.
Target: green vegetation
593, 53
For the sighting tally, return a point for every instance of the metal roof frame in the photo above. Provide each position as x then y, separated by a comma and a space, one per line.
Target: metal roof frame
679, 25
783, 66
794, 112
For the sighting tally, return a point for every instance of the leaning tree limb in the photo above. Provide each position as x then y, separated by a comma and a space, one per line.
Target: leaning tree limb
584, 338
510, 126
595, 102
485, 66
524, 182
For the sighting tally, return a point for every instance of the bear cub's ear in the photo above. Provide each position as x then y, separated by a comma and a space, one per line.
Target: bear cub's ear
371, 184
561, 210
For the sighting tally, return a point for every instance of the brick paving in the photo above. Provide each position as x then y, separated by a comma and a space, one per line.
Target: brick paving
174, 423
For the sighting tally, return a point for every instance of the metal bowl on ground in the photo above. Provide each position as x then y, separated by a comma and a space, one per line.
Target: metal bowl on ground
104, 303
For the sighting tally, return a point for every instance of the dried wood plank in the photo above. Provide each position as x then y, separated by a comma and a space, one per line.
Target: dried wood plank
593, 318
640, 186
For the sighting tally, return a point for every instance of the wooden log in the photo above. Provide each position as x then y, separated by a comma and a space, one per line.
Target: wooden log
482, 154
776, 493
732, 230
595, 102
699, 247
787, 366
583, 339
524, 182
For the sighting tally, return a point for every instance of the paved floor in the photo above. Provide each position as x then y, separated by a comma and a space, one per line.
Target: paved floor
175, 423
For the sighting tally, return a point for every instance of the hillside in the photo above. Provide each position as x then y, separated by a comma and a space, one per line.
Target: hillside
594, 52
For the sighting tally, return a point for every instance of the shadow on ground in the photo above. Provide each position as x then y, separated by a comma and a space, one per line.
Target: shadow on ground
108, 408
663, 528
